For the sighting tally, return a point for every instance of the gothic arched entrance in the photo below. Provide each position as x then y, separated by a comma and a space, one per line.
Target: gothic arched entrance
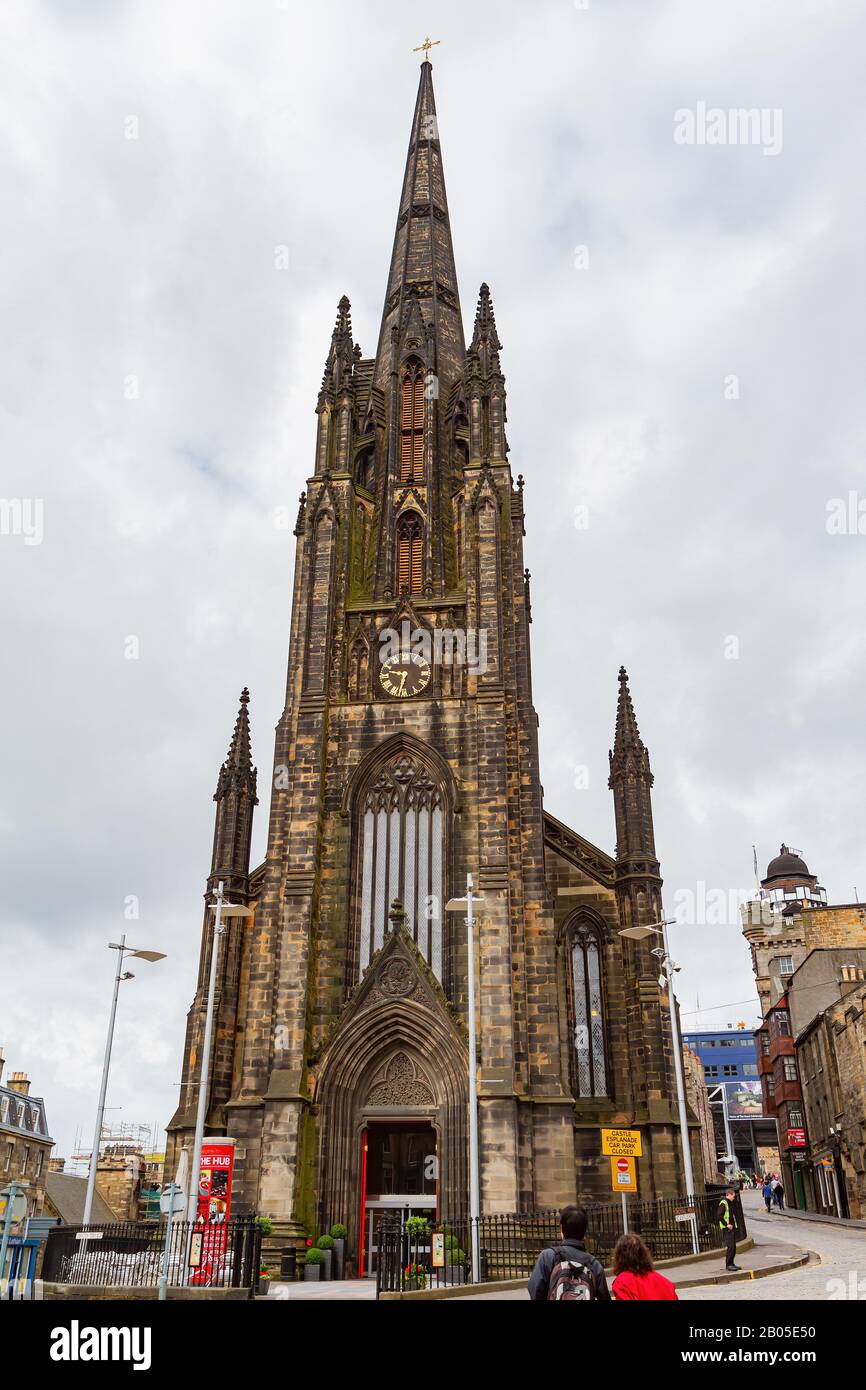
391, 1094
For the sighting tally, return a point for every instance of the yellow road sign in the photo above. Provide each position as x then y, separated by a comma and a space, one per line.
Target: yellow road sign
623, 1175
621, 1143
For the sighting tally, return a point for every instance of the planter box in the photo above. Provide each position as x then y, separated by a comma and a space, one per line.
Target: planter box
311, 1273
454, 1274
339, 1257
328, 1264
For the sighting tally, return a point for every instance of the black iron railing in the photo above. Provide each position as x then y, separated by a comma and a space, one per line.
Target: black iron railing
412, 1257
221, 1254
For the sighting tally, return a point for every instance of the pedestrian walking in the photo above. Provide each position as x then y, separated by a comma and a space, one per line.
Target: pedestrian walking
567, 1271
767, 1192
779, 1193
726, 1216
635, 1277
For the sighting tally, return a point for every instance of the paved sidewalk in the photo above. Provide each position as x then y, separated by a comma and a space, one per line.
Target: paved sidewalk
363, 1290
795, 1215
767, 1258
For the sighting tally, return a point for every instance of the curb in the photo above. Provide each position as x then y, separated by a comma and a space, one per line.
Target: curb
744, 1276
841, 1223
506, 1285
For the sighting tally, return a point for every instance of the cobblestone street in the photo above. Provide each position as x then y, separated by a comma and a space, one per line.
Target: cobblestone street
838, 1272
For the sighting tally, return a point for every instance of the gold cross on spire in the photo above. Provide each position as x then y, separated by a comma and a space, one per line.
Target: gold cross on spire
426, 46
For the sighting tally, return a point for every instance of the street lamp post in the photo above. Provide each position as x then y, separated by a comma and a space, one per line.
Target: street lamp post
122, 950
465, 905
639, 933
223, 909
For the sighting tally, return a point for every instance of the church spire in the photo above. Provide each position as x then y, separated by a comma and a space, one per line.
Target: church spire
631, 780
341, 354
422, 302
485, 340
627, 735
237, 773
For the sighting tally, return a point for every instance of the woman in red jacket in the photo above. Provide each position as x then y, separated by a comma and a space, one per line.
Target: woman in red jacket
635, 1276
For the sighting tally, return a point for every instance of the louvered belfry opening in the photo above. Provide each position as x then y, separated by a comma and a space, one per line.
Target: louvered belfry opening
410, 568
412, 423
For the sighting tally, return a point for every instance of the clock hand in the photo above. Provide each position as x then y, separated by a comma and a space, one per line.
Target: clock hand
402, 686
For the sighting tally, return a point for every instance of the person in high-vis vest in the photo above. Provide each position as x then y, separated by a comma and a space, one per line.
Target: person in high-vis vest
729, 1226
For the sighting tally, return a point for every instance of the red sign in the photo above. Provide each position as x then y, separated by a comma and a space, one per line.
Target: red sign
623, 1165
215, 1179
796, 1138
214, 1206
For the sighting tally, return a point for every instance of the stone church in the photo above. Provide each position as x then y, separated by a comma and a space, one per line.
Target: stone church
407, 757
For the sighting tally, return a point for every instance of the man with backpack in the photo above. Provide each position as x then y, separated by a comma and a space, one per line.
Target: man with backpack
567, 1271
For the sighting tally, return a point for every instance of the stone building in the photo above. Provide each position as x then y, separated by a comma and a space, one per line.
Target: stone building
407, 757
119, 1174
24, 1140
788, 921
846, 1028
698, 1098
788, 918
783, 1099
823, 999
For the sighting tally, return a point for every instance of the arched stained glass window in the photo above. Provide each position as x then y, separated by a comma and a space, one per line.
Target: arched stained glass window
400, 822
586, 1012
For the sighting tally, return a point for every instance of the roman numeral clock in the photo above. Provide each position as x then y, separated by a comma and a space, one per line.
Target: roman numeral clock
403, 676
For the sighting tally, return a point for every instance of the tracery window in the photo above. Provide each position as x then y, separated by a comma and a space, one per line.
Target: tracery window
401, 836
412, 423
586, 1011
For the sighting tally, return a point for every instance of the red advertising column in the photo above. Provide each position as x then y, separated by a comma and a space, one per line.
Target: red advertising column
214, 1207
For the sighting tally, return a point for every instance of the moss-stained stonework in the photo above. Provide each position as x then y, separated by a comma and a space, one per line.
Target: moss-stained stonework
308, 1042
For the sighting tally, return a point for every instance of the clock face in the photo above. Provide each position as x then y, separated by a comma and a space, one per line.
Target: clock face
403, 676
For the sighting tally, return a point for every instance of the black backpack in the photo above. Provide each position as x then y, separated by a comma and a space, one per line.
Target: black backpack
571, 1278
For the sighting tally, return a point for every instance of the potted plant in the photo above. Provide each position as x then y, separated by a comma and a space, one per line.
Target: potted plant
326, 1245
265, 1225
313, 1264
264, 1281
416, 1276
455, 1262
338, 1235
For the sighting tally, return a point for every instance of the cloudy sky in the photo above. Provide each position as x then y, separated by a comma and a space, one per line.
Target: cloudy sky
683, 330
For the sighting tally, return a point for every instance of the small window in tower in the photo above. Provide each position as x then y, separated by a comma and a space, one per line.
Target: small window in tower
412, 423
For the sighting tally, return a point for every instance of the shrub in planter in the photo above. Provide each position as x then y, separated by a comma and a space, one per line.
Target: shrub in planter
338, 1236
417, 1227
265, 1225
313, 1264
326, 1245
264, 1280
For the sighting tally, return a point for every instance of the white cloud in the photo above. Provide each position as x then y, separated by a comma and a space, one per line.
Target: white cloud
260, 126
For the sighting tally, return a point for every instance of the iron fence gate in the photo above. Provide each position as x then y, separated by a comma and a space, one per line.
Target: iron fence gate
410, 1257
218, 1254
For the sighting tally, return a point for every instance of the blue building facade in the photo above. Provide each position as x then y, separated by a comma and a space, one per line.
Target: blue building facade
730, 1059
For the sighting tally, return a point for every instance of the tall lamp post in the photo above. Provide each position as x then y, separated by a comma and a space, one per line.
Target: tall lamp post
640, 933
465, 905
122, 950
223, 909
